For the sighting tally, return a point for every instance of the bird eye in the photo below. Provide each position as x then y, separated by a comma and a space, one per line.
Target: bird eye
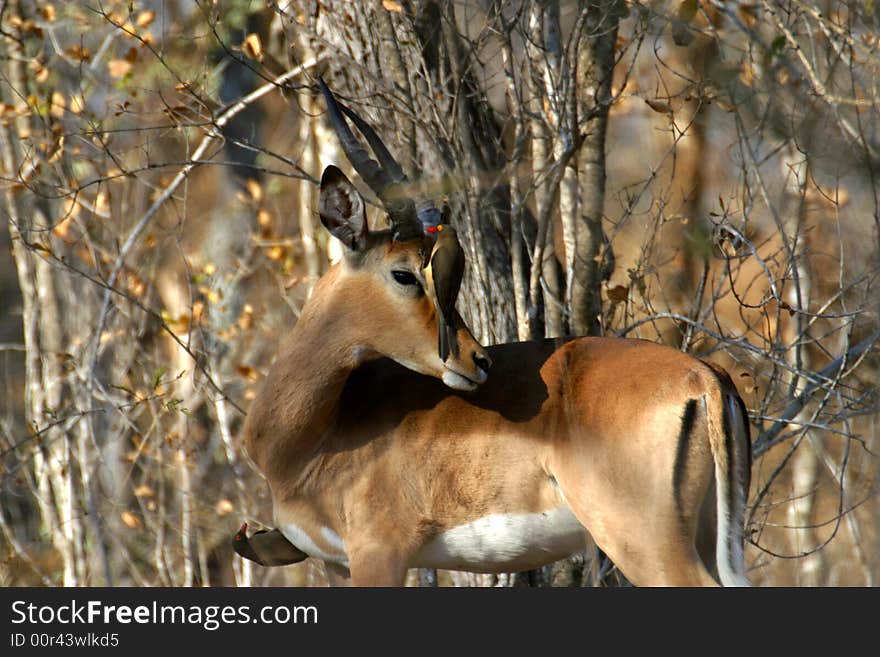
404, 277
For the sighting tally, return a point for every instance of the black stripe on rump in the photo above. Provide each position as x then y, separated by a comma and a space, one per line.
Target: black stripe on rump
681, 452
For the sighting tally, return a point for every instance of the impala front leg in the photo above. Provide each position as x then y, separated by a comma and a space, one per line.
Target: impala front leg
337, 575
377, 566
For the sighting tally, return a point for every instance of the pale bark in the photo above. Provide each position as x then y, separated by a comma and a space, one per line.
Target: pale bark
308, 198
43, 340
544, 284
518, 262
594, 70
804, 539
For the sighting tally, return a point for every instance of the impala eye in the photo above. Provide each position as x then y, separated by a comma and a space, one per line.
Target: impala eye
404, 277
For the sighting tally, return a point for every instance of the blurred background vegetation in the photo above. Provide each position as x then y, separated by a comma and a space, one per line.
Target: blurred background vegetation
700, 173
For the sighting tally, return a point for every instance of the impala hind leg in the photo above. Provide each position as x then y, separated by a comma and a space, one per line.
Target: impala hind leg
661, 564
648, 543
646, 559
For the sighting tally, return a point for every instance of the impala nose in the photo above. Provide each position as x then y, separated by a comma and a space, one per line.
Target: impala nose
483, 362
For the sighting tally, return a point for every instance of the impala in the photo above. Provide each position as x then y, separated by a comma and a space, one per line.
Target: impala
388, 445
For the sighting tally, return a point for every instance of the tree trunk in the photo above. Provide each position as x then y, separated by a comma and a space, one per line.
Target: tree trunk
595, 69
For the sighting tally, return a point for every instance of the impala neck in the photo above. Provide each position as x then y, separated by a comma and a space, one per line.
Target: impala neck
301, 393
320, 354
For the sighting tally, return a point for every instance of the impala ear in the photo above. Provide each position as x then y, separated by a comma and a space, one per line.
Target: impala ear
342, 209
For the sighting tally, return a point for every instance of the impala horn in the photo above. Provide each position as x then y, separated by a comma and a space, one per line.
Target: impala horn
266, 547
385, 178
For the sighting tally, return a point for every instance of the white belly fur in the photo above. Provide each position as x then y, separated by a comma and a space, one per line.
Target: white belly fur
333, 552
505, 542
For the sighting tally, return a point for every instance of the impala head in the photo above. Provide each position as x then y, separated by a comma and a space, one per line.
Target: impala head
406, 279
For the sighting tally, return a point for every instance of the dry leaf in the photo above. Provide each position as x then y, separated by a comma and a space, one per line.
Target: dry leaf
246, 320
62, 228
128, 29
254, 189
247, 372
102, 203
137, 286
29, 25
144, 491
617, 294
58, 105
48, 12
130, 520
253, 47
118, 68
79, 53
390, 5
145, 18
77, 104
177, 113
57, 150
657, 106
548, 112
224, 507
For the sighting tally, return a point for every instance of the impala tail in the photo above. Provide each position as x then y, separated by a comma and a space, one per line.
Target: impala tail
730, 442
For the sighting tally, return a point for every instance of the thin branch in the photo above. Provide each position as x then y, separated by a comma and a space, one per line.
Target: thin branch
142, 223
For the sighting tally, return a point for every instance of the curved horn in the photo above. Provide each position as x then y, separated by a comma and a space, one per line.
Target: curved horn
387, 160
380, 178
368, 168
